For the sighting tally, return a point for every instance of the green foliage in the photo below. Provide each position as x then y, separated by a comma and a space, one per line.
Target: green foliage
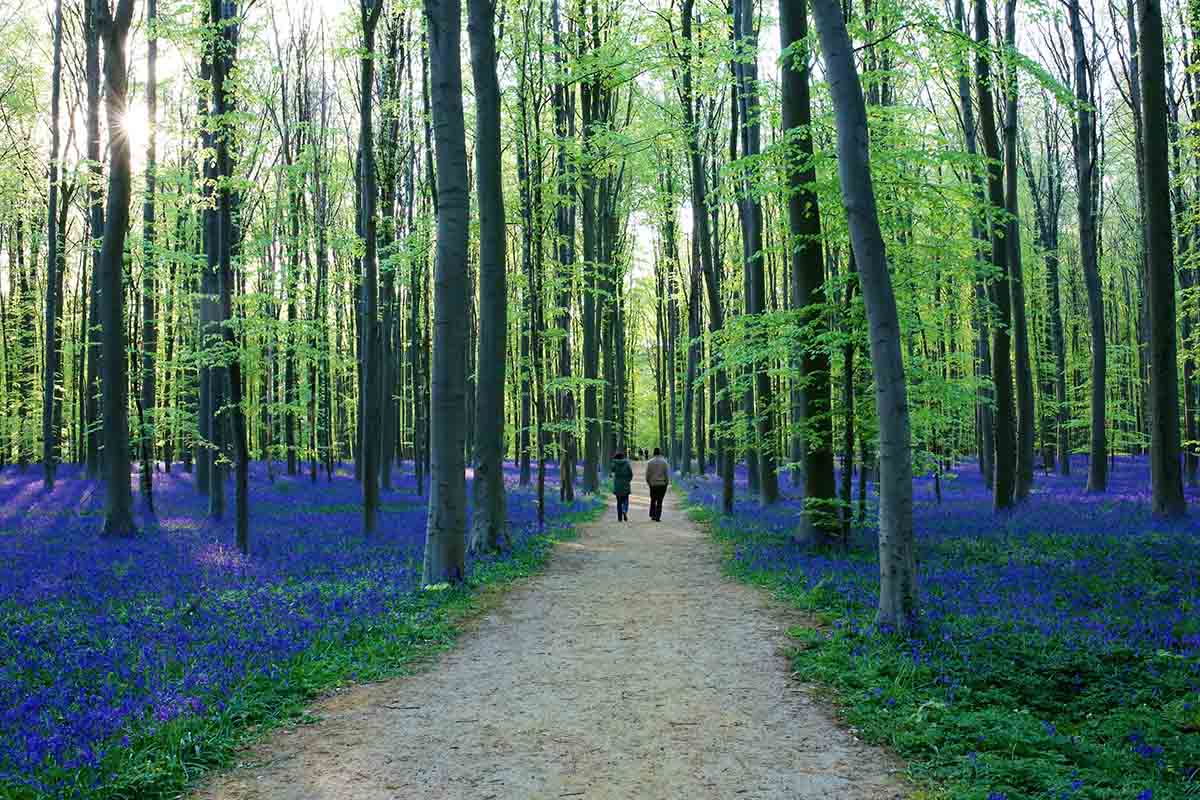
995, 735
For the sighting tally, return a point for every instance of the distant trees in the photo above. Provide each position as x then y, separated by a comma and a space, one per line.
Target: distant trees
679, 268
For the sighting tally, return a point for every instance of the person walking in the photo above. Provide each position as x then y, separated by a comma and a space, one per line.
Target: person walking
622, 475
658, 478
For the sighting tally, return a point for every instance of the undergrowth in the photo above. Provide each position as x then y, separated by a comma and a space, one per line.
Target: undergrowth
166, 761
981, 708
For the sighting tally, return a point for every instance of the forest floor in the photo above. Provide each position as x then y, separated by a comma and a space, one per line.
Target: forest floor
631, 667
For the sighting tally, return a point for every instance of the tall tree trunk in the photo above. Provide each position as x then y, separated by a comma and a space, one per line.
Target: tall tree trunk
1165, 479
760, 404
150, 262
701, 220
118, 499
225, 15
1004, 485
1085, 167
370, 357
591, 268
54, 240
1026, 423
488, 522
812, 397
445, 539
96, 234
897, 549
563, 100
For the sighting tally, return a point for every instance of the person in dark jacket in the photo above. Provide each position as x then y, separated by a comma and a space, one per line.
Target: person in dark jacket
622, 475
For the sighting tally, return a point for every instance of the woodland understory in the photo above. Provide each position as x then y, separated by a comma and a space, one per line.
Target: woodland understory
308, 307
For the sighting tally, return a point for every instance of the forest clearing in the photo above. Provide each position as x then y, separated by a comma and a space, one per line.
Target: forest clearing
369, 365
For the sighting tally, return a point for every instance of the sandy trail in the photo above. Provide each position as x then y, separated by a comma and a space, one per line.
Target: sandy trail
630, 668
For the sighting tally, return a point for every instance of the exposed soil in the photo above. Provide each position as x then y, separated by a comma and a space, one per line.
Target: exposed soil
630, 668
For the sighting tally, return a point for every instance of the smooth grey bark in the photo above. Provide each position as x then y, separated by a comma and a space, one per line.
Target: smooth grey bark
1005, 464
1026, 422
210, 480
118, 498
986, 438
761, 402
445, 542
54, 244
693, 360
1085, 169
812, 399
591, 345
488, 525
1166, 480
368, 220
525, 321
150, 261
897, 549
701, 220
563, 101
95, 198
225, 16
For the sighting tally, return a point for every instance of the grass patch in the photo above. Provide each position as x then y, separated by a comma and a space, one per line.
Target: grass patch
985, 705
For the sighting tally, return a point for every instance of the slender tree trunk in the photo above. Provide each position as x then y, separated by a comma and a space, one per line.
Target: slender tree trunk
54, 240
369, 196
1004, 485
118, 500
150, 263
96, 234
488, 525
1026, 423
445, 539
812, 398
1085, 167
591, 347
897, 549
701, 221
1165, 479
225, 15
761, 403
563, 100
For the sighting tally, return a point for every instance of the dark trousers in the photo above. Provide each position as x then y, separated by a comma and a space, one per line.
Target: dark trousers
622, 507
657, 493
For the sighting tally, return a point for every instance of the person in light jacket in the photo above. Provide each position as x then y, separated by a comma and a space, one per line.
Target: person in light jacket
658, 478
622, 476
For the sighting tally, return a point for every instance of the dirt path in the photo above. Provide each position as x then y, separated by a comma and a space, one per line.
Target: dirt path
631, 668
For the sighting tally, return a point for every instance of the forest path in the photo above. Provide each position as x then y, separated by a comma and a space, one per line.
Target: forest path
630, 668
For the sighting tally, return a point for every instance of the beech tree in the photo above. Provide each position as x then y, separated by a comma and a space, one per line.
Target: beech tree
1086, 178
113, 26
54, 238
488, 524
445, 541
897, 549
1166, 480
811, 400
